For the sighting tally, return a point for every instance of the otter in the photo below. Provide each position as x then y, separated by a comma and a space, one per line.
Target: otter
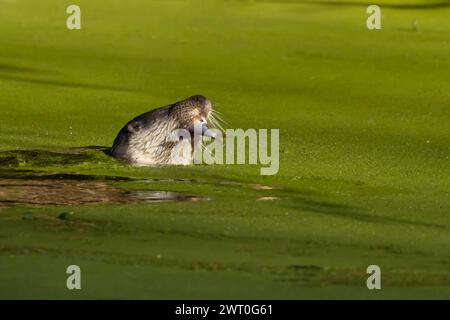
148, 140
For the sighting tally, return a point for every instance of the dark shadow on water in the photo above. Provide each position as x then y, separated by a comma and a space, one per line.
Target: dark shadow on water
17, 69
72, 156
22, 74
62, 83
350, 212
32, 175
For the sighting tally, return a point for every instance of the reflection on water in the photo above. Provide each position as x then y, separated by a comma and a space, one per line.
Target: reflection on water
47, 191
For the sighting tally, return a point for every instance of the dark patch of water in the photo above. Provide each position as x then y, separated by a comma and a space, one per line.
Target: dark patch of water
46, 189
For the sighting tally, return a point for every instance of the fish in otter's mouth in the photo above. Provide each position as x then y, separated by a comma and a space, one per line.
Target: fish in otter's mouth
148, 139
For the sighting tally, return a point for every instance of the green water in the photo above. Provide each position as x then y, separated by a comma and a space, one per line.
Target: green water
364, 148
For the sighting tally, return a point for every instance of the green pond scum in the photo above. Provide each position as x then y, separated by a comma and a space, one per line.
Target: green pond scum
364, 171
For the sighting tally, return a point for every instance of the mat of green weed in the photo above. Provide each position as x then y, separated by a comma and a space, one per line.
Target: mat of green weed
364, 148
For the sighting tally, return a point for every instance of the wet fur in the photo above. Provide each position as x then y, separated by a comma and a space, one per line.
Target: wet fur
145, 140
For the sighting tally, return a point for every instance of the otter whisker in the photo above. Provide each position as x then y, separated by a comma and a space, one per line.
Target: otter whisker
217, 113
216, 123
217, 116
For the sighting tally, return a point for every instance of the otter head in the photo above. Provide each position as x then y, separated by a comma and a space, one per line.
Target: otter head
190, 112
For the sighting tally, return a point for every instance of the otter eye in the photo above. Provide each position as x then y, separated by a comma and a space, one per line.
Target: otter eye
133, 127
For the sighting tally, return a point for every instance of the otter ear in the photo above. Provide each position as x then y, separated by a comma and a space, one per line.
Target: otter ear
133, 127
